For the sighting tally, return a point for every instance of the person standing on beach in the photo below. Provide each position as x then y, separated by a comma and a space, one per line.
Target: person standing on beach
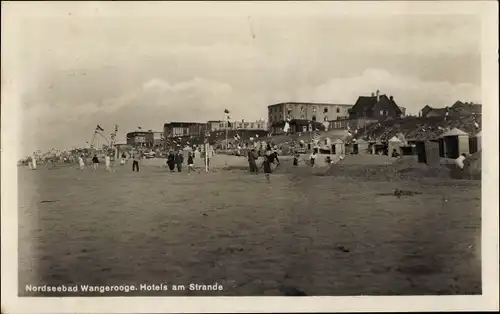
33, 161
95, 162
191, 163
312, 158
81, 163
171, 161
124, 157
179, 159
107, 162
266, 164
252, 167
135, 163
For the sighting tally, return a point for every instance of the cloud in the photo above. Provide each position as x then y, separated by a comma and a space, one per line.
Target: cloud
410, 92
199, 99
197, 84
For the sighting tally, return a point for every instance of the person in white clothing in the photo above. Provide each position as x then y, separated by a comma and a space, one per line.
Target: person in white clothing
33, 162
312, 158
81, 163
107, 162
460, 161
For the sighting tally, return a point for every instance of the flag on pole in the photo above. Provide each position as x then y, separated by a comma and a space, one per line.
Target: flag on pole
228, 117
140, 128
98, 128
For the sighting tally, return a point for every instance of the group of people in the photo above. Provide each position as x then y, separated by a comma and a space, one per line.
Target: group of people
175, 160
270, 162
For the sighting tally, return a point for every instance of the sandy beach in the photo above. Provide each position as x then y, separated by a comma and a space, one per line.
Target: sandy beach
315, 235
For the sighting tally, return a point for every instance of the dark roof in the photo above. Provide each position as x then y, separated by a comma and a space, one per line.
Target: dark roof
438, 111
309, 104
367, 103
184, 123
134, 133
467, 107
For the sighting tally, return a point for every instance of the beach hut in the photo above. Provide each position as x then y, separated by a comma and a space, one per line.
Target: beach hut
454, 143
361, 146
338, 147
395, 144
475, 143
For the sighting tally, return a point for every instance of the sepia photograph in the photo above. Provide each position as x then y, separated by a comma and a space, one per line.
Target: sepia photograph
249, 149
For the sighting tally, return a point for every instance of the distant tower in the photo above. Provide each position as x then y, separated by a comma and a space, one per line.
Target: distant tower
378, 95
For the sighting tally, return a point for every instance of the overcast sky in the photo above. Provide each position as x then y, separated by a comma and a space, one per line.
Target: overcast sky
79, 71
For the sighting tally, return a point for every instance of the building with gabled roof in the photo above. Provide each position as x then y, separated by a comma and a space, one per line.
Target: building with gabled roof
375, 106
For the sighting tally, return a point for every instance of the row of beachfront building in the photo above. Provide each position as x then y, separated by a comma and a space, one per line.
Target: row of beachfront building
292, 117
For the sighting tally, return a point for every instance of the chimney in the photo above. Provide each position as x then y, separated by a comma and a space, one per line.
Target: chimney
391, 98
378, 95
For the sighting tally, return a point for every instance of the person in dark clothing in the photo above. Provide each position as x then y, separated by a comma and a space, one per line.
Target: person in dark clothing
95, 162
251, 161
250, 158
135, 162
296, 159
191, 162
273, 159
266, 164
395, 154
171, 161
179, 159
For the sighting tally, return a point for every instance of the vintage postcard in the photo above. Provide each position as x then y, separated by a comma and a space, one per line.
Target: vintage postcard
249, 156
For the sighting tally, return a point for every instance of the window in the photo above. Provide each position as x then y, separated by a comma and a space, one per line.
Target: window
338, 110
326, 141
325, 110
304, 128
314, 109
302, 116
302, 109
314, 118
252, 125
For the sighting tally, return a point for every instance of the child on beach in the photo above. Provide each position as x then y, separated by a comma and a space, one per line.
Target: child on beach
296, 158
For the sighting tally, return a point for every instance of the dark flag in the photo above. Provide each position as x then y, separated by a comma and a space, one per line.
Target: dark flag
98, 128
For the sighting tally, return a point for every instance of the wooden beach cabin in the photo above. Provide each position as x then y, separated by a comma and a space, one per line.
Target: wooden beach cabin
453, 143
338, 147
395, 144
475, 143
360, 146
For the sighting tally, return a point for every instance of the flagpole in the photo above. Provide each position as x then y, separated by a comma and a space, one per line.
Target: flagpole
227, 126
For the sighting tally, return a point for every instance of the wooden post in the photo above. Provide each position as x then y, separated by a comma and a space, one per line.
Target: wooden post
206, 157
